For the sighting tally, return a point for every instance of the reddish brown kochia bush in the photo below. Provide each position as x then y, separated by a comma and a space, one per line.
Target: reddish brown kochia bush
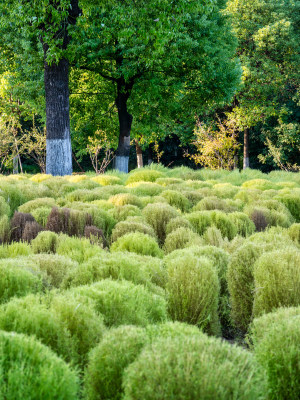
65, 220
18, 223
95, 235
31, 230
259, 220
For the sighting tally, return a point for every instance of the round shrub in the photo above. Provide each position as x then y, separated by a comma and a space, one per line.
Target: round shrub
292, 202
277, 280
178, 222
177, 200
118, 348
32, 205
41, 215
180, 238
5, 231
77, 249
31, 371
213, 237
107, 180
121, 213
4, 207
193, 367
18, 277
45, 242
243, 223
124, 303
224, 224
294, 232
240, 280
158, 215
193, 291
123, 199
139, 243
15, 250
56, 267
12, 195
261, 184
225, 190
211, 203
200, 221
146, 189
129, 226
145, 175
275, 338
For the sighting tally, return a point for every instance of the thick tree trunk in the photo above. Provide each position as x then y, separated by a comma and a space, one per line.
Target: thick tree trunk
15, 165
125, 122
246, 149
59, 151
139, 154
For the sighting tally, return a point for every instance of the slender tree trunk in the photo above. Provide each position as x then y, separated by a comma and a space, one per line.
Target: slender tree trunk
139, 154
59, 151
246, 149
150, 155
125, 122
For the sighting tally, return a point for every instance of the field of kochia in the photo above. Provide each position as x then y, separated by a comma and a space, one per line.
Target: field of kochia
163, 284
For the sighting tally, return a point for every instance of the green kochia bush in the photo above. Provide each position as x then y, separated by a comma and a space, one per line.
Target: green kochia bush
119, 348
275, 338
131, 225
45, 242
243, 223
294, 232
193, 291
158, 216
177, 200
178, 222
145, 175
139, 243
124, 303
193, 367
79, 250
31, 371
18, 277
37, 203
277, 280
180, 238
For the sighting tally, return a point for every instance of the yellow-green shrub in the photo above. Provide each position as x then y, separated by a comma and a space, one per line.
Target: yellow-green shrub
243, 223
277, 280
144, 175
79, 250
4, 207
121, 213
129, 226
292, 202
177, 200
146, 189
5, 230
45, 242
31, 371
41, 215
31, 205
294, 232
139, 243
211, 203
213, 237
200, 221
178, 222
123, 199
107, 180
180, 238
275, 340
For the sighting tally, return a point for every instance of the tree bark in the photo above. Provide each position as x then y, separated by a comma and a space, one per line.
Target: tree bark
125, 122
139, 154
246, 149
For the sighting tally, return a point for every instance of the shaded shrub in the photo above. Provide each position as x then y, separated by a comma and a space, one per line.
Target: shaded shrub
177, 200
193, 367
259, 219
32, 205
123, 199
95, 235
129, 226
276, 338
180, 238
31, 371
45, 242
193, 292
244, 225
145, 175
139, 243
18, 223
277, 280
118, 348
5, 231
178, 222
77, 249
4, 207
31, 230
124, 303
292, 202
158, 216
18, 277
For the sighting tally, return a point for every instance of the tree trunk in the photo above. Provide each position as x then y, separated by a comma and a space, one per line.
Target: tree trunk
125, 122
246, 149
139, 154
150, 155
15, 165
58, 147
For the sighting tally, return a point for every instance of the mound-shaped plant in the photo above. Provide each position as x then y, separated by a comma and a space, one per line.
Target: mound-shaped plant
124, 303
294, 232
211, 203
4, 207
200, 221
122, 199
277, 280
193, 291
292, 202
121, 213
145, 175
107, 180
78, 249
31, 205
177, 200
244, 225
275, 340
178, 222
139, 243
5, 230
180, 238
129, 226
31, 371
193, 367
158, 215
45, 242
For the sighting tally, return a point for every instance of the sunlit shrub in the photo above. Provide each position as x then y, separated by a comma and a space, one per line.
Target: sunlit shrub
180, 238
200, 221
244, 225
45, 242
124, 303
106, 180
211, 203
41, 215
145, 189
5, 230
213, 237
121, 213
225, 190
123, 199
129, 226
15, 250
294, 232
37, 203
139, 243
30, 370
79, 250
261, 184
277, 280
177, 200
193, 367
145, 175
13, 195
4, 207
193, 292
276, 337
178, 222
158, 216
292, 202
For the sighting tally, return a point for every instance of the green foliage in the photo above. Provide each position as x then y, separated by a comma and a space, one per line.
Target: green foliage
139, 243
31, 205
144, 175
118, 348
275, 337
45, 242
158, 216
294, 232
18, 277
125, 198
31, 371
4, 207
177, 200
213, 237
193, 367
15, 250
243, 223
107, 180
292, 202
146, 189
178, 222
12, 195
180, 238
129, 226
211, 203
277, 280
193, 292
124, 303
4, 229
41, 215
121, 213
79, 250
200, 221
